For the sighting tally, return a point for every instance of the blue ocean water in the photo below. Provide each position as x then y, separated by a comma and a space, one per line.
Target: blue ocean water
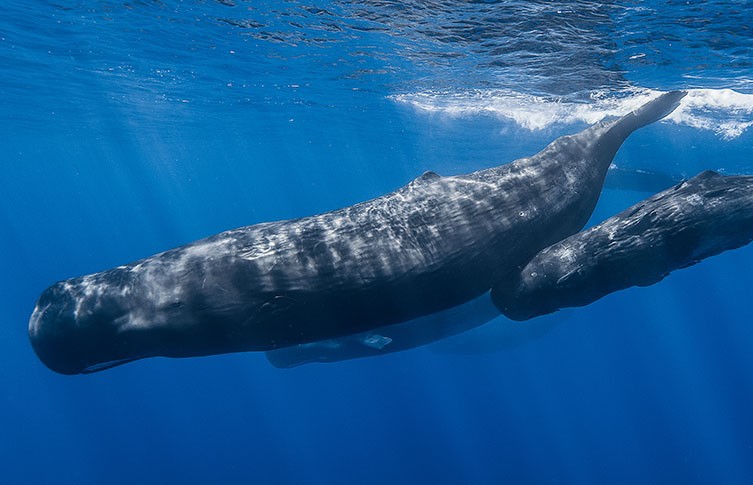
132, 127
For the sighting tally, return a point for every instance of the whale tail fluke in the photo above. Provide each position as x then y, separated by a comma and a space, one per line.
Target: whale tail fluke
601, 141
648, 113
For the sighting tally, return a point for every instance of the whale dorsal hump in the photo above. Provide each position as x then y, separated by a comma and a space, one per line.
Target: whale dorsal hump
708, 175
427, 176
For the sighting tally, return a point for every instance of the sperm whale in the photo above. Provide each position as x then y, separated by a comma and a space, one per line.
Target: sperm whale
640, 246
433, 244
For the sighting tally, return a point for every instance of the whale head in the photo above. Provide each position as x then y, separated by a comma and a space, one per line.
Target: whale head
76, 330
96, 322
144, 309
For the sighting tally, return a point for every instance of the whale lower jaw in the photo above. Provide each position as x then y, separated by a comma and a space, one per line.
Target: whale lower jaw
108, 365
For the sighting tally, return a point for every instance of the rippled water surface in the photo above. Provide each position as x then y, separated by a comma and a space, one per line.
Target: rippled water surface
248, 52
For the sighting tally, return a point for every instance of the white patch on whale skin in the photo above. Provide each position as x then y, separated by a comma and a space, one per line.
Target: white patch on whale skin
566, 254
695, 200
376, 341
36, 315
89, 290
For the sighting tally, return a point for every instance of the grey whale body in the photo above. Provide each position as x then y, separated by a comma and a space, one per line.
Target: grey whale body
433, 244
640, 246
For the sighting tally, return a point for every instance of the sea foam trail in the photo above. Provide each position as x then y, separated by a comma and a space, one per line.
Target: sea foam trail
726, 112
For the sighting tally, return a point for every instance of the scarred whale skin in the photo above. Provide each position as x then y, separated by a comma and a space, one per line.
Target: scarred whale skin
428, 246
640, 246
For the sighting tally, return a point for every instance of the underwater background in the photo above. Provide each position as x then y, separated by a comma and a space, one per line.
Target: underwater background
128, 128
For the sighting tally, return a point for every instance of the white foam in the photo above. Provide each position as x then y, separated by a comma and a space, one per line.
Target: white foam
726, 112
723, 111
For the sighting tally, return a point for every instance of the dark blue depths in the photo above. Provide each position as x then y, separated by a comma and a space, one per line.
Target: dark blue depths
650, 385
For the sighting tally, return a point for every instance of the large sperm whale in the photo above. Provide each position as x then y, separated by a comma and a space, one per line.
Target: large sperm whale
431, 245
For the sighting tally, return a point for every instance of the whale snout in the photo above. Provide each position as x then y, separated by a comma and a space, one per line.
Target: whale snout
70, 338
53, 331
